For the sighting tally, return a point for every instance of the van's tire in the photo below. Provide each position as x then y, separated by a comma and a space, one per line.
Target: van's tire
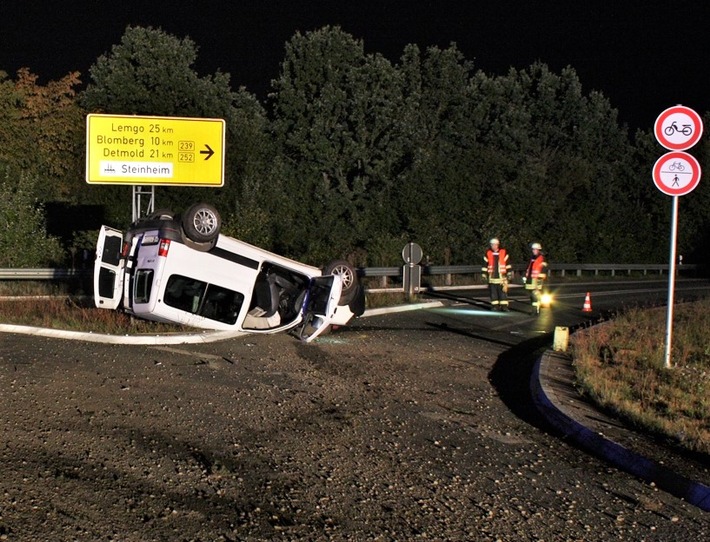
161, 214
200, 247
347, 275
201, 223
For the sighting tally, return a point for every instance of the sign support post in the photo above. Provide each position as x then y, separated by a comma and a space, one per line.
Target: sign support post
138, 192
676, 173
671, 284
412, 271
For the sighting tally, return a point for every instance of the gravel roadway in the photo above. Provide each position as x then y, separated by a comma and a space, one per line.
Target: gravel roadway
372, 433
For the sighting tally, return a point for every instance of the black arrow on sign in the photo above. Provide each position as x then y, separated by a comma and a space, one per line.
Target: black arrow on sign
209, 152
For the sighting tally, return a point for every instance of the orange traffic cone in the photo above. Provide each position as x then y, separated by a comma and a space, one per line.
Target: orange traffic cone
587, 303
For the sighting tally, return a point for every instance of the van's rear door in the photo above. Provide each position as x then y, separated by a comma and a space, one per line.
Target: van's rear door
320, 306
108, 269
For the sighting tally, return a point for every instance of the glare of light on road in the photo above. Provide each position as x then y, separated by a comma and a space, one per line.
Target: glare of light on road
469, 311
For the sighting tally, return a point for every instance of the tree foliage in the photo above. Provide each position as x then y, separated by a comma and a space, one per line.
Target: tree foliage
334, 110
442, 180
151, 72
41, 130
561, 164
354, 155
23, 235
11, 131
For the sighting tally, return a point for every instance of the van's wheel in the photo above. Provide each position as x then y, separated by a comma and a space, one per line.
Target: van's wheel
347, 276
201, 223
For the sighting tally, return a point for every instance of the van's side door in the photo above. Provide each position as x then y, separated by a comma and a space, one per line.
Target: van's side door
108, 269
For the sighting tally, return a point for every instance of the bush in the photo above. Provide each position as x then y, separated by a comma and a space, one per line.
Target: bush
24, 242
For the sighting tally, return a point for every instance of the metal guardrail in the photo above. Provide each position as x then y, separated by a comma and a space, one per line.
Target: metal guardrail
386, 273
43, 274
613, 269
562, 269
578, 269
555, 269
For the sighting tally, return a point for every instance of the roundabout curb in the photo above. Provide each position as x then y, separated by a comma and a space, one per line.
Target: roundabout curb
559, 402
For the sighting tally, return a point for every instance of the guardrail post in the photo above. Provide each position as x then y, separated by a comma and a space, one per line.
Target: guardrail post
447, 261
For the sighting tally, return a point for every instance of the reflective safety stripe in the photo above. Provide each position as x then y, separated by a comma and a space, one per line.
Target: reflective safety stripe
534, 284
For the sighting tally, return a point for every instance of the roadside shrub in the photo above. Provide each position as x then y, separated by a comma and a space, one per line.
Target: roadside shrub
24, 242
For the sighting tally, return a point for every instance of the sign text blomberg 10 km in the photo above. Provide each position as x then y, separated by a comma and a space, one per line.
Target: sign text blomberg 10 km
170, 151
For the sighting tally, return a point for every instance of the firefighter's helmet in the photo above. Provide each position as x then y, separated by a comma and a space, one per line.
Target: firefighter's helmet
536, 246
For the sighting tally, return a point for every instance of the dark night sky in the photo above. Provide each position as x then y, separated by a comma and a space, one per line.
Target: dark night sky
644, 56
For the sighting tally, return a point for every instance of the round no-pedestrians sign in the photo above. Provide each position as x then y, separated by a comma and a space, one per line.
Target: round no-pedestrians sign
676, 173
678, 128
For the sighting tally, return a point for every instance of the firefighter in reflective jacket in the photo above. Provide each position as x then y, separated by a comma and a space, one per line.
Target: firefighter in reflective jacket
496, 271
535, 276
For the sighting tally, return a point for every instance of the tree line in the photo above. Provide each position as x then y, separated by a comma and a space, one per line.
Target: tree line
352, 155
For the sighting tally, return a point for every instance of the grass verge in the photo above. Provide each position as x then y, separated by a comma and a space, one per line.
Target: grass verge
78, 315
53, 310
620, 365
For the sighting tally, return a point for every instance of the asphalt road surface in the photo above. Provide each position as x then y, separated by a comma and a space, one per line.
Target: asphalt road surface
412, 426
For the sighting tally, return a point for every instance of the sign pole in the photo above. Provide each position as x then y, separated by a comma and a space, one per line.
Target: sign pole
412, 271
676, 174
138, 207
671, 284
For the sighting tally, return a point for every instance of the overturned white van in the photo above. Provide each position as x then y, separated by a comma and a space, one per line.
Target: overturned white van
180, 269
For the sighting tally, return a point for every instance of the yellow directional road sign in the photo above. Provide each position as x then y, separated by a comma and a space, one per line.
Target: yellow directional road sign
169, 151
